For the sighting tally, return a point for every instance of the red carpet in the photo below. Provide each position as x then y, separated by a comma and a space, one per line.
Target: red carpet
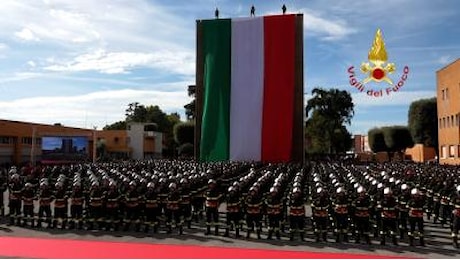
58, 248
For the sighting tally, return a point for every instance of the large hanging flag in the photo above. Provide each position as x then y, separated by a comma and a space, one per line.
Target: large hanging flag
247, 81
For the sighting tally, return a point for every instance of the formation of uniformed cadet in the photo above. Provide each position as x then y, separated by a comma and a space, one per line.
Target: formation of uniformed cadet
389, 199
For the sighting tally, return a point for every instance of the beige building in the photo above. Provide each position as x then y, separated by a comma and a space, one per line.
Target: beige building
448, 101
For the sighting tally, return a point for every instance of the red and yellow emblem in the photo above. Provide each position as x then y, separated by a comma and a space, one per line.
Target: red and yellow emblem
379, 69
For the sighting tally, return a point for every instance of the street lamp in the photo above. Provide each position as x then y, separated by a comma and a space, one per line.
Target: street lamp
94, 143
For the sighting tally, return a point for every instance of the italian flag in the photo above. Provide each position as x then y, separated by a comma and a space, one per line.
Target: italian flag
248, 88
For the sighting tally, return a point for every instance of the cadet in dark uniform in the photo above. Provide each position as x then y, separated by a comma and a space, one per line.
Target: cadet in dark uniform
416, 217
28, 197
152, 208
95, 206
60, 206
341, 208
173, 212
389, 216
274, 212
112, 199
436, 200
361, 211
213, 197
3, 188
446, 209
403, 209
45, 197
296, 214
253, 205
233, 211
14, 203
456, 217
320, 209
185, 202
77, 198
132, 207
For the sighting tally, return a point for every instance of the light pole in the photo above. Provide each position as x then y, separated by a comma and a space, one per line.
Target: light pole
94, 143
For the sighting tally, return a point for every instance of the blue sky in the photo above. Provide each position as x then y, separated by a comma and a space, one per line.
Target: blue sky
81, 62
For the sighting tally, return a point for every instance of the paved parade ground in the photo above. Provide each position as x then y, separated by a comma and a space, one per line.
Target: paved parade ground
46, 243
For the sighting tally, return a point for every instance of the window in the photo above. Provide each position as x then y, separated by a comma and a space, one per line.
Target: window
452, 122
443, 94
443, 152
4, 140
443, 122
447, 93
451, 151
116, 139
458, 151
26, 140
440, 123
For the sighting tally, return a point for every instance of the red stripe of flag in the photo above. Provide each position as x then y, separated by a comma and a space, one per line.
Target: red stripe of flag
279, 68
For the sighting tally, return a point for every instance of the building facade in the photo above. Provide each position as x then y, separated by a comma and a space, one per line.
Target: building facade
24, 143
448, 96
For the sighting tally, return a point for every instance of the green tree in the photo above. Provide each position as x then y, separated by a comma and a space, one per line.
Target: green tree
186, 150
397, 139
314, 131
120, 125
190, 107
184, 133
329, 111
423, 122
390, 139
376, 140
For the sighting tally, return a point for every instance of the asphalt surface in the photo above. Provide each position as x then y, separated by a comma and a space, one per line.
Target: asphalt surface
437, 239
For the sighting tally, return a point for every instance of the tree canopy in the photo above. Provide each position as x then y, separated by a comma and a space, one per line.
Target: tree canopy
423, 122
376, 140
328, 112
390, 139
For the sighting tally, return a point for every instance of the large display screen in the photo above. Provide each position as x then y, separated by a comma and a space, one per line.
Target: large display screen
64, 148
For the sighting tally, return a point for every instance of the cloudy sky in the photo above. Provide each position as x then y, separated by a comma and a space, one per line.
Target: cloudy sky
81, 62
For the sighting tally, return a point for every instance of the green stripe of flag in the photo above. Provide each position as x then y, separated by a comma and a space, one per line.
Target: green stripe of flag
215, 128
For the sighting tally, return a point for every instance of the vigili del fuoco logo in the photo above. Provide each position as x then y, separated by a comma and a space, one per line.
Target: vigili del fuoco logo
377, 70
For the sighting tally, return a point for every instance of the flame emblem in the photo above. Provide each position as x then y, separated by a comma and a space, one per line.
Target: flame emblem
378, 57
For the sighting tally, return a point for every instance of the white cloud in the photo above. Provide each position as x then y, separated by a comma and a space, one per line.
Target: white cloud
444, 60
316, 24
117, 24
327, 29
96, 108
27, 35
31, 63
121, 62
